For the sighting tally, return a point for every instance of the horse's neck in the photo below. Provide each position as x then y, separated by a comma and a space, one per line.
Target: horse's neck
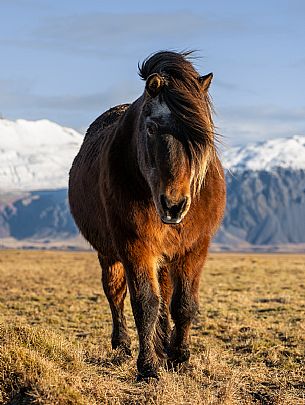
126, 148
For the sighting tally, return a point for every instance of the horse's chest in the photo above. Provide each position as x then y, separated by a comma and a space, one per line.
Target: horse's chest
179, 239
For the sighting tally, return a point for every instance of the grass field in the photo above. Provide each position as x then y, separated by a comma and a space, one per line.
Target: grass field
247, 344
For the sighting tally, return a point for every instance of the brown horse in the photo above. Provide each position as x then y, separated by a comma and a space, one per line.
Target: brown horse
147, 191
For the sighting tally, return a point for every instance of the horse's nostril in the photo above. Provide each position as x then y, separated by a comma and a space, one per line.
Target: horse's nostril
164, 202
182, 204
173, 209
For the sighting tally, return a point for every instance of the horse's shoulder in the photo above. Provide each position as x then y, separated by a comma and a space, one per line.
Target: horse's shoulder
107, 118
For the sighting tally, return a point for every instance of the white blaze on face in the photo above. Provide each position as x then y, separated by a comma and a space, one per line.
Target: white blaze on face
159, 110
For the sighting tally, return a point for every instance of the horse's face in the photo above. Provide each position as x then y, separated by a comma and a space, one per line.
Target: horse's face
164, 162
174, 149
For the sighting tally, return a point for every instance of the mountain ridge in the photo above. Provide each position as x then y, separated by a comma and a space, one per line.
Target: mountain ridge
265, 189
36, 155
287, 153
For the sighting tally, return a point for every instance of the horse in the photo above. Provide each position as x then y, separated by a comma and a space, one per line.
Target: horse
147, 191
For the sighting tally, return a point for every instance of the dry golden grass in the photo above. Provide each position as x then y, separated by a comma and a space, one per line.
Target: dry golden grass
247, 343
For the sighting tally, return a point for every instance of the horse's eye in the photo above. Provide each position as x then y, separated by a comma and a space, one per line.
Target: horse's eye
152, 128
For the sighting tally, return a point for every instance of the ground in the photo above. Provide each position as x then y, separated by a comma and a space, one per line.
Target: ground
247, 343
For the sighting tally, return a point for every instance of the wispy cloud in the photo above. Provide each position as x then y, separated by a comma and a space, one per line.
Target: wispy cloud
231, 86
265, 112
79, 59
249, 124
112, 34
18, 94
300, 63
17, 100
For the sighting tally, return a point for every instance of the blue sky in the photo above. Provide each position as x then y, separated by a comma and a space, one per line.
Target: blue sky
68, 61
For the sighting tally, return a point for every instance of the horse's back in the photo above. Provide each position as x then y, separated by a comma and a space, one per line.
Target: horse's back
106, 119
84, 194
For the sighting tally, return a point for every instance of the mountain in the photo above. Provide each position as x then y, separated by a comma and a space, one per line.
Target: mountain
41, 215
265, 194
36, 155
281, 153
35, 159
265, 190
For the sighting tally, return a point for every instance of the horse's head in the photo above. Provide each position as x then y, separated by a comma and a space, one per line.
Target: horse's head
175, 133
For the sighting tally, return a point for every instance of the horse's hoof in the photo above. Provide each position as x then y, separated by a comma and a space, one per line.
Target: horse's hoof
178, 360
148, 376
124, 349
122, 346
177, 366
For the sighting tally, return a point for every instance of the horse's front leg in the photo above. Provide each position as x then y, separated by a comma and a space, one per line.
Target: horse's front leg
184, 305
163, 325
145, 301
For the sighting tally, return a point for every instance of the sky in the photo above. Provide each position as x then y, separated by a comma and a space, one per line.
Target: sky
70, 60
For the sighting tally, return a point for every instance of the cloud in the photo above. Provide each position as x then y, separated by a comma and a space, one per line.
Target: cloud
248, 124
265, 112
238, 125
18, 94
230, 86
107, 35
119, 28
76, 110
300, 63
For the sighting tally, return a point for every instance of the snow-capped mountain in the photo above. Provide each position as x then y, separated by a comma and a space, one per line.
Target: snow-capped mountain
265, 194
265, 188
287, 153
36, 155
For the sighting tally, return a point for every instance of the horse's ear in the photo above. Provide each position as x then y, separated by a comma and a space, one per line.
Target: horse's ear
154, 84
205, 81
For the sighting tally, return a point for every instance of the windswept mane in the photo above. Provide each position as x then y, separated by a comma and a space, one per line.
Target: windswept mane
192, 108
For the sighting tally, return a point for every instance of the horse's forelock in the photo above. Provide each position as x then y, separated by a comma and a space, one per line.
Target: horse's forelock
192, 108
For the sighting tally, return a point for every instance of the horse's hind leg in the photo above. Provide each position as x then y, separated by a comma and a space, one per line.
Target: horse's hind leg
115, 287
184, 305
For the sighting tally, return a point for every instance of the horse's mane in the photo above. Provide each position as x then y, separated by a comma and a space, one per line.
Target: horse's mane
184, 98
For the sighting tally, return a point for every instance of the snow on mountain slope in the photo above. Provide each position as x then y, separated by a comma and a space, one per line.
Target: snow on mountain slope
36, 155
287, 153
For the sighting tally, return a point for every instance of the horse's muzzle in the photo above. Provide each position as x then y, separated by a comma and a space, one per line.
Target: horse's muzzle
169, 220
172, 212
